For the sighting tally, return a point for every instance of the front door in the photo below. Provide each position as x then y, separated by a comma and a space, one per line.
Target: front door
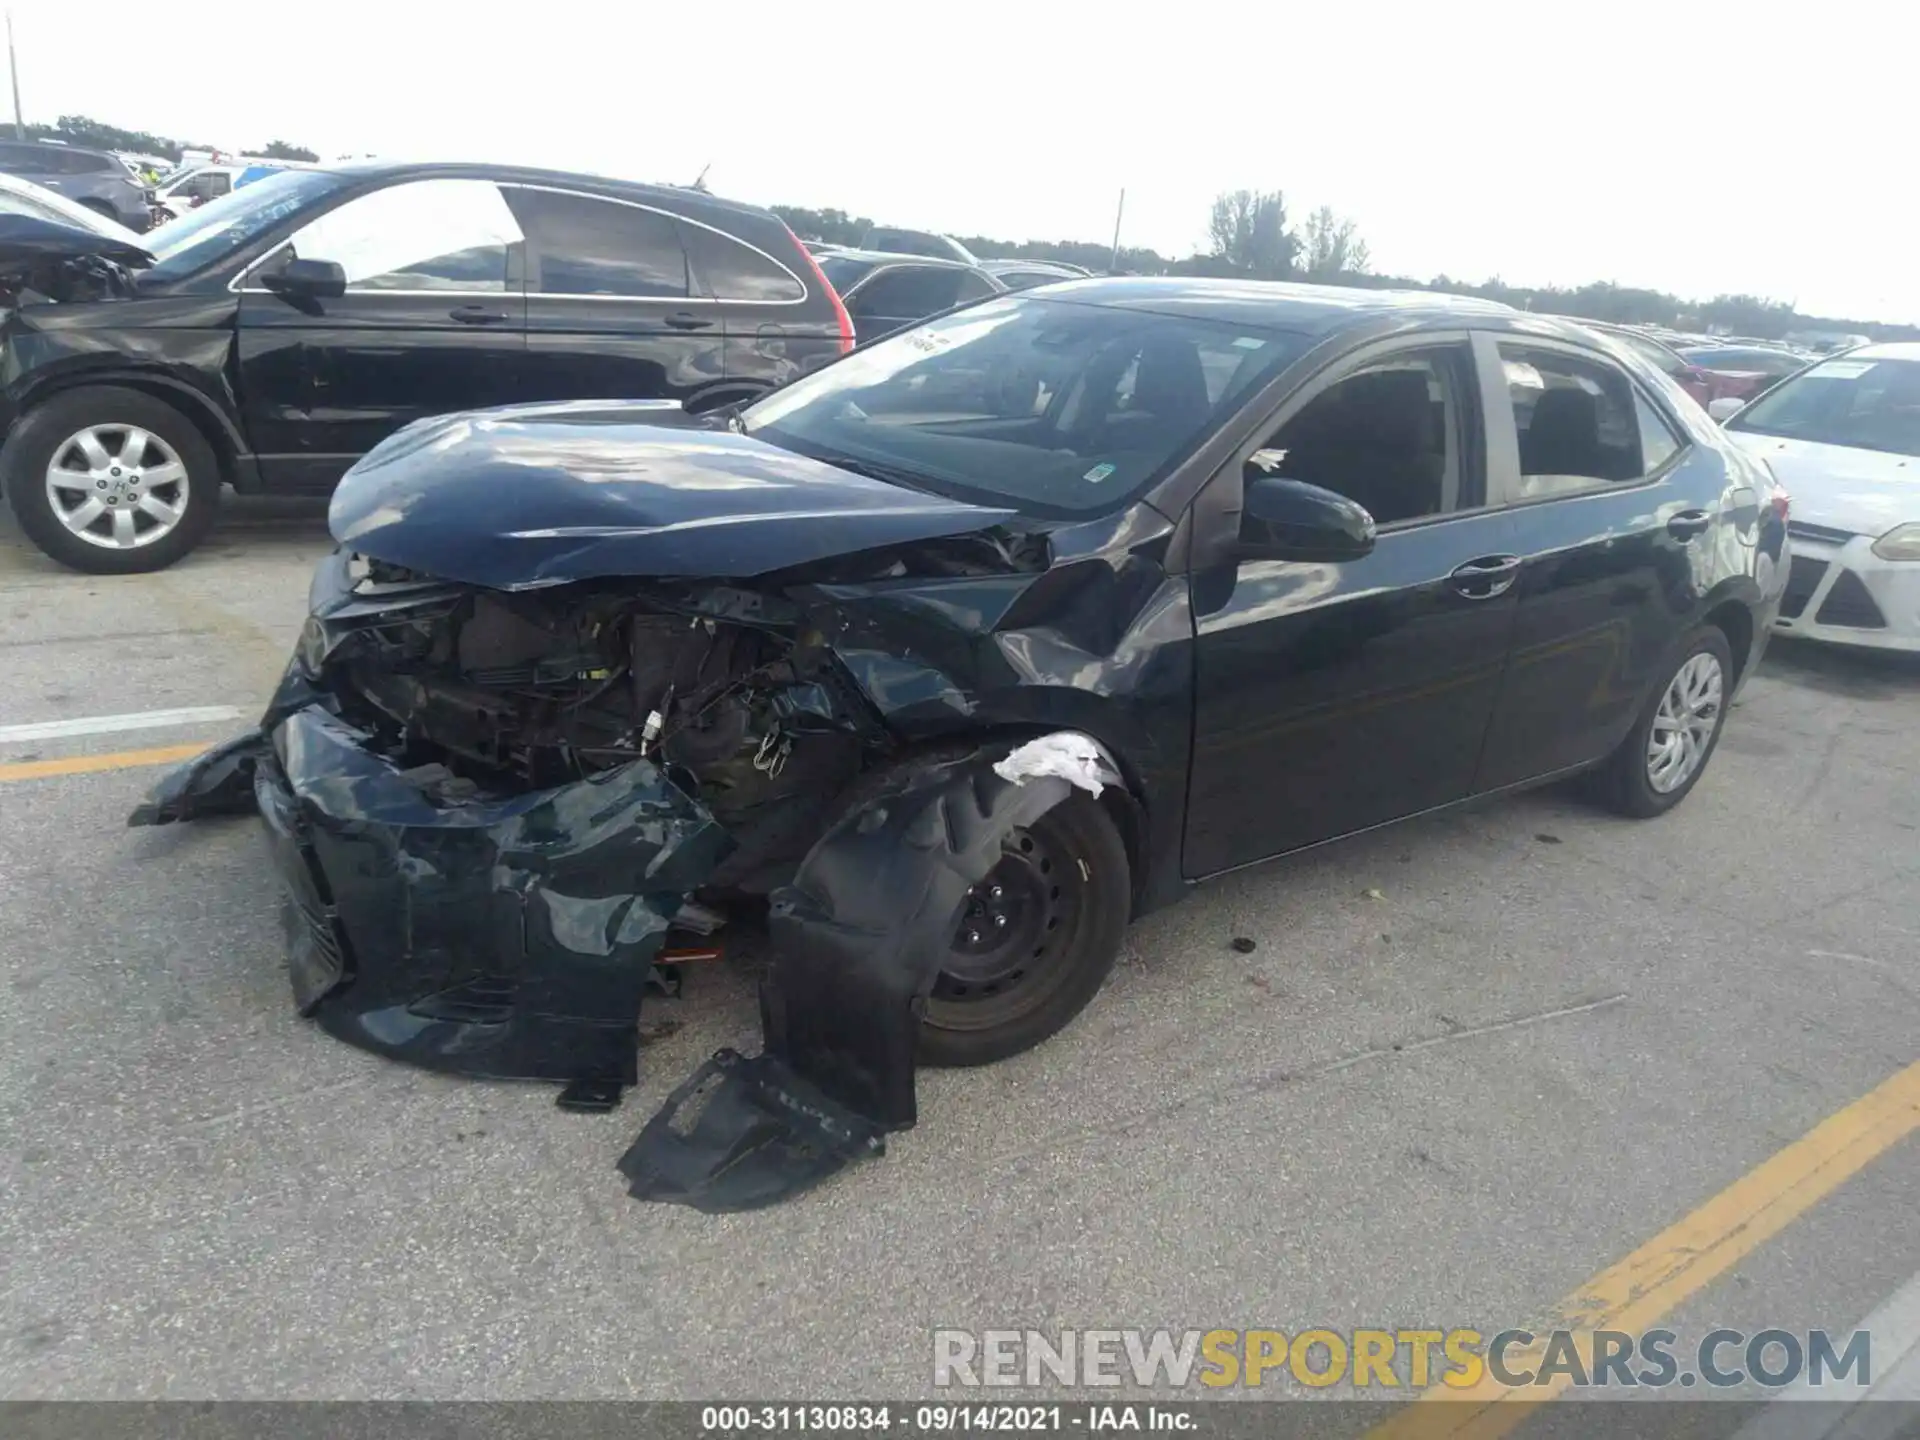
433, 320
611, 314
1333, 697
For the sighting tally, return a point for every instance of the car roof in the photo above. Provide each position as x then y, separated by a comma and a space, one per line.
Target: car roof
356, 170
1313, 308
896, 257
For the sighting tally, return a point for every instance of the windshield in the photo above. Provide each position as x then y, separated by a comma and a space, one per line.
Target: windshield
1869, 404
1059, 408
222, 226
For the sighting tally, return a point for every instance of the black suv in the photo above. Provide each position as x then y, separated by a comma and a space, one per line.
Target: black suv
286, 329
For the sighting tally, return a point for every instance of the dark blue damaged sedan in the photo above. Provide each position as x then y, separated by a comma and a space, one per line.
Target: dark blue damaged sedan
958, 654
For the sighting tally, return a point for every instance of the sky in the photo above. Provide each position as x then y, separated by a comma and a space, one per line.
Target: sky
1694, 146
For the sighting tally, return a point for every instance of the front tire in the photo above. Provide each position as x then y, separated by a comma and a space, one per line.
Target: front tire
111, 481
1035, 941
1666, 752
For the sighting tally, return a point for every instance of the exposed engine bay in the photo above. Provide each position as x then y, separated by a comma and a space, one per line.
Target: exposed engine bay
507, 692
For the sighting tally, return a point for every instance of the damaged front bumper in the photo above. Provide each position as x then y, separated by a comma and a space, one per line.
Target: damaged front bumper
508, 938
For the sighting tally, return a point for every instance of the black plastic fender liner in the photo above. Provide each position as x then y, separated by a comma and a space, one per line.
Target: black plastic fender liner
220, 781
858, 940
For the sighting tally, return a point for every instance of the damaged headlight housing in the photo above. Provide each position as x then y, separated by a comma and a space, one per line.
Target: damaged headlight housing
1900, 543
310, 654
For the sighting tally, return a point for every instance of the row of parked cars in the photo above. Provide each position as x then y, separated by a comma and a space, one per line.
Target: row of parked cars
270, 338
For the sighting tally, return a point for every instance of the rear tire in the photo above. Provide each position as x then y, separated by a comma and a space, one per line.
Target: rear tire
1666, 752
94, 495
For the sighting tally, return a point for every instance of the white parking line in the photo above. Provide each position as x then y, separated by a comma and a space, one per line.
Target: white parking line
109, 724
1894, 1348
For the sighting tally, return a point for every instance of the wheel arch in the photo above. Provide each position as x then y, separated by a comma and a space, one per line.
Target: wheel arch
223, 437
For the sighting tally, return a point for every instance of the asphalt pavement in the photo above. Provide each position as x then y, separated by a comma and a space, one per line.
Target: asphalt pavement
1470, 1062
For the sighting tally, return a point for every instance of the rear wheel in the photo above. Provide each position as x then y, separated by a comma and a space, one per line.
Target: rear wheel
111, 481
1035, 939
1666, 752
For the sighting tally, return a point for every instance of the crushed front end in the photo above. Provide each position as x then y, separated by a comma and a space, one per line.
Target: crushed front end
488, 808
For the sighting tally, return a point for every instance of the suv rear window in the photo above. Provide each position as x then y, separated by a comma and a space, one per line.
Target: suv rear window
585, 246
732, 270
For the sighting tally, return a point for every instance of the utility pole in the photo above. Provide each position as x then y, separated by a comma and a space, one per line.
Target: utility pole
1113, 264
19, 120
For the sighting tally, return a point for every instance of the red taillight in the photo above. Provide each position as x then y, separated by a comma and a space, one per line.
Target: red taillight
844, 320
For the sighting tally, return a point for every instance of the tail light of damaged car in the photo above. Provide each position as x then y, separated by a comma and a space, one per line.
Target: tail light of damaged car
960, 652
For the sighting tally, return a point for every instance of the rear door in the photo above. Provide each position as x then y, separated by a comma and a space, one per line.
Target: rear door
611, 314
896, 296
1609, 506
433, 320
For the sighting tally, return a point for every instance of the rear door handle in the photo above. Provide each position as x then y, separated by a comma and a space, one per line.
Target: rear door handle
1486, 577
686, 320
1689, 523
478, 315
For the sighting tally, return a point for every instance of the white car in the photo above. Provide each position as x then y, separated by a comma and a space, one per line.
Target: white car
1844, 438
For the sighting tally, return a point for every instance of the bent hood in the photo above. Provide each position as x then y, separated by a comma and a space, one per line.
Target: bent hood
1865, 491
535, 495
27, 240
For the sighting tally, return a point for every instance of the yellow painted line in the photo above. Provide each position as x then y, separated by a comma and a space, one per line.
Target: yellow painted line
91, 764
1632, 1294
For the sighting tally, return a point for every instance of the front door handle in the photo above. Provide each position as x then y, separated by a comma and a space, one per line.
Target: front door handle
686, 320
478, 315
1689, 523
1486, 577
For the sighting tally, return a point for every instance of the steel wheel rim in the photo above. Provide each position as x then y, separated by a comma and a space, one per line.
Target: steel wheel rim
983, 983
117, 486
1683, 726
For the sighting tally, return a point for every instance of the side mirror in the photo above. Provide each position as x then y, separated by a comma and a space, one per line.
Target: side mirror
1725, 408
308, 280
1291, 520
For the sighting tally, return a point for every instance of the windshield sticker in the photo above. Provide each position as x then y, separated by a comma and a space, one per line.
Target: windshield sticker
1841, 369
1098, 473
1249, 342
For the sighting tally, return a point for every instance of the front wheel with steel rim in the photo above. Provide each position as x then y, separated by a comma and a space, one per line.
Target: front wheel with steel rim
1034, 940
1666, 753
111, 481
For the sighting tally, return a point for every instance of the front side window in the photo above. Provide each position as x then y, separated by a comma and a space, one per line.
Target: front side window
451, 235
1868, 404
1577, 421
1056, 409
1391, 437
592, 248
733, 270
219, 228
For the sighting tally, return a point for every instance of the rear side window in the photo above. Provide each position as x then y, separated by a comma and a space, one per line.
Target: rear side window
80, 162
733, 270
908, 292
1579, 422
583, 246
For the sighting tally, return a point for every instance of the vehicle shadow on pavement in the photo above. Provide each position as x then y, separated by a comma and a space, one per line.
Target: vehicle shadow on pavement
1856, 672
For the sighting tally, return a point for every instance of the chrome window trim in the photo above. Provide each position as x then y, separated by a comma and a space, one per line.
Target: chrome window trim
236, 287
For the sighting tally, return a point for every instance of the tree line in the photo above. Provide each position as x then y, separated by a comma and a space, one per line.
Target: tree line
1249, 235
98, 135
